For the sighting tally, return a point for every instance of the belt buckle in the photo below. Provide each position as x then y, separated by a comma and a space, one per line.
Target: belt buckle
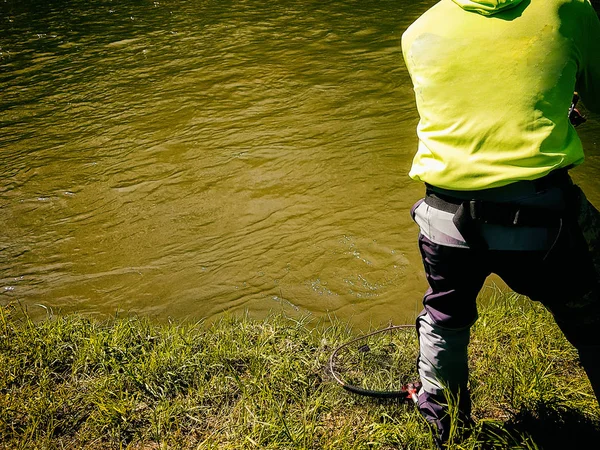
516, 219
475, 209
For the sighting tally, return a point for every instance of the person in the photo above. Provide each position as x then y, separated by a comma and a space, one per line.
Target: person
493, 81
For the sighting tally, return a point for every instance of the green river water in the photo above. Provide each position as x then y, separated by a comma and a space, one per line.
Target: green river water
186, 158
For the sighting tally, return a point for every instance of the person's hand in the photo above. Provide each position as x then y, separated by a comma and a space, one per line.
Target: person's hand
575, 117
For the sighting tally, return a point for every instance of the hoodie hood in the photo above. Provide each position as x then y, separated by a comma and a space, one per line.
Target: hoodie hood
486, 7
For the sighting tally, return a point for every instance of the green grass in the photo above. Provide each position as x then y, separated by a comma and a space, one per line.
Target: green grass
72, 382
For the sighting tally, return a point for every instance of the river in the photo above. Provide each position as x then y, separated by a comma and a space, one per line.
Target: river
190, 158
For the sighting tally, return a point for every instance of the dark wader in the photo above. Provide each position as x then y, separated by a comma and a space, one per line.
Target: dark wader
563, 276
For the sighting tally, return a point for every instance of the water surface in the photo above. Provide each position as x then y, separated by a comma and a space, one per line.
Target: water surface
187, 158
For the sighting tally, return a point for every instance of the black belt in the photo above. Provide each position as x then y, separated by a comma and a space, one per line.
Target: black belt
469, 215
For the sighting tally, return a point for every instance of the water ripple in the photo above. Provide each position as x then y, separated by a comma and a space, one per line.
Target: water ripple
189, 158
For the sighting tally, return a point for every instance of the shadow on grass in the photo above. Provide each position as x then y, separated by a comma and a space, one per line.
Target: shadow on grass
543, 425
556, 426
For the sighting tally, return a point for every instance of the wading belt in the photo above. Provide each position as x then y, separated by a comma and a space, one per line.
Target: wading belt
469, 215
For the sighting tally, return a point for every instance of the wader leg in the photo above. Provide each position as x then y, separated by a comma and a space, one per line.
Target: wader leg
579, 320
588, 220
589, 356
556, 282
444, 373
566, 282
455, 276
582, 332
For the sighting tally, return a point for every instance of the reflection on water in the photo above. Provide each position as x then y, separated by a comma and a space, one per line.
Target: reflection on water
184, 158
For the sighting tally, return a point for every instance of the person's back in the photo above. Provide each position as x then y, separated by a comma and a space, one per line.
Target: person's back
494, 80
493, 90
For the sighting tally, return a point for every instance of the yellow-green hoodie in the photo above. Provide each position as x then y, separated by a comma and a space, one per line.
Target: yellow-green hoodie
493, 81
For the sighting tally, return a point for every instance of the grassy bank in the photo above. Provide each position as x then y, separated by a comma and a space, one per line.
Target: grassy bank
71, 382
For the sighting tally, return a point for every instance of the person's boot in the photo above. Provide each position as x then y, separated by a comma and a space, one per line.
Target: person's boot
434, 408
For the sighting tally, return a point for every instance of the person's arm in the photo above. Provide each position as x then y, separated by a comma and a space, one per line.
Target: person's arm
588, 79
